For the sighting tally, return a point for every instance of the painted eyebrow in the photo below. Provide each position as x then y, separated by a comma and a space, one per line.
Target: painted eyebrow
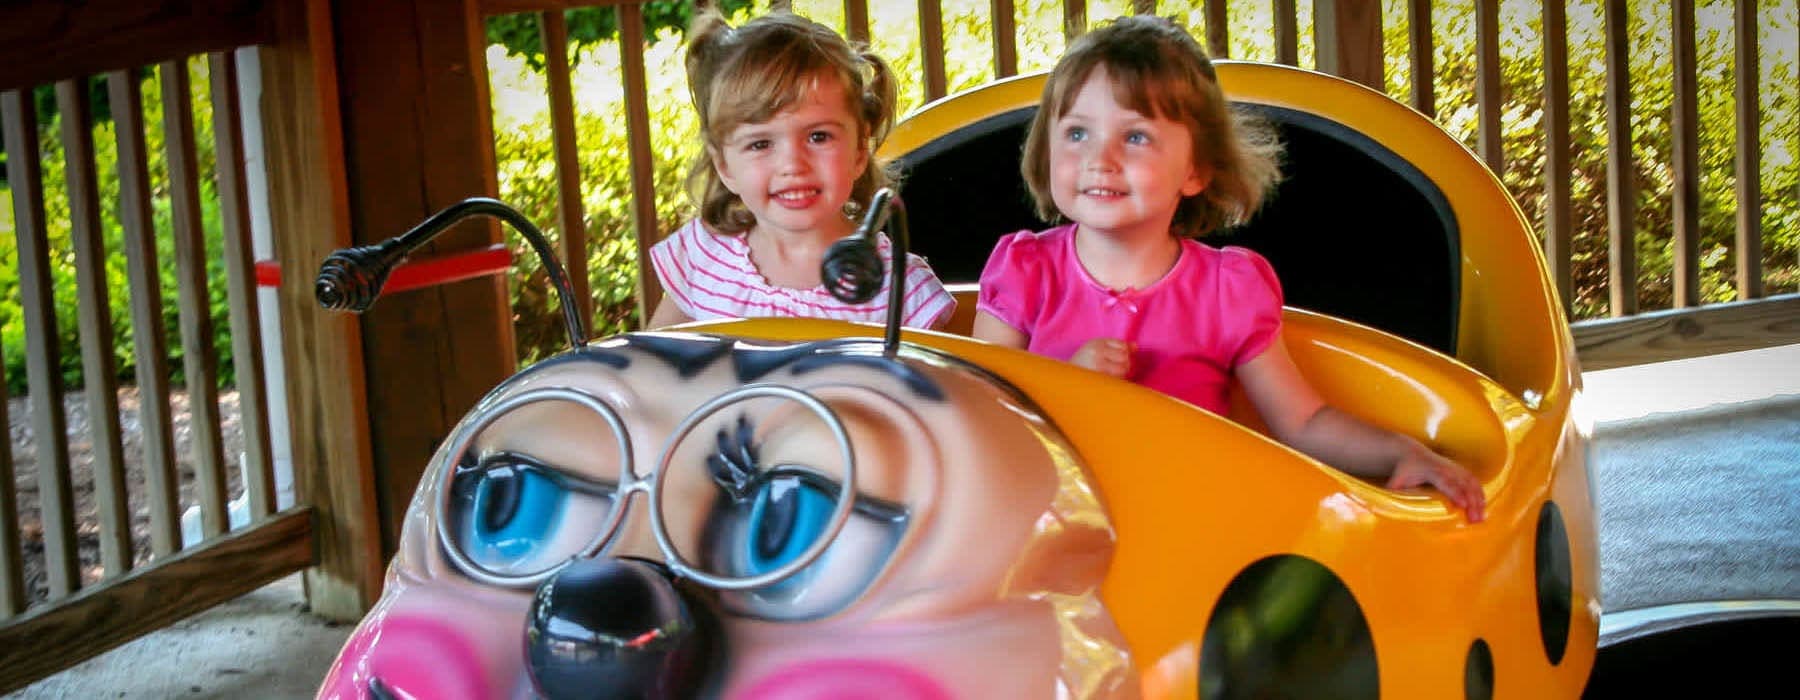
754, 362
687, 354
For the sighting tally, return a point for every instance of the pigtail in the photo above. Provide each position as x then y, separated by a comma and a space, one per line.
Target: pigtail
710, 40
879, 96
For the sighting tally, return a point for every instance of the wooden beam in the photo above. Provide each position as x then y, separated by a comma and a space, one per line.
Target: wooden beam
43, 355
43, 42
1684, 125
12, 553
645, 227
1218, 36
1419, 46
1621, 168
53, 638
322, 351
418, 137
489, 8
931, 48
572, 221
1006, 38
1287, 33
149, 342
1559, 224
1749, 155
98, 372
1487, 84
1075, 19
241, 293
199, 359
1682, 333
1348, 36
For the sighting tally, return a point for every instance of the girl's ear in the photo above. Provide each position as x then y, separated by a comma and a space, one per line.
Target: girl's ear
1198, 180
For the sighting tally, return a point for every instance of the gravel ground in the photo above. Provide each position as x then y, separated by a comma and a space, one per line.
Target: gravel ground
81, 458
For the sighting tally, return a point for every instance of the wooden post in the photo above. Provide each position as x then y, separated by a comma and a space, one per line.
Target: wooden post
1348, 36
417, 138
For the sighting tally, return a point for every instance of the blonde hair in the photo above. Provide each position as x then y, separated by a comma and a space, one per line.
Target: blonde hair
1158, 69
749, 74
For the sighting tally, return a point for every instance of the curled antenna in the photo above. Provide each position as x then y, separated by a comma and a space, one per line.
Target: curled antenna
351, 278
852, 266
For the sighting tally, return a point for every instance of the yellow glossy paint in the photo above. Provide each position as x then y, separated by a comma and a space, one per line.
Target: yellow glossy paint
1196, 497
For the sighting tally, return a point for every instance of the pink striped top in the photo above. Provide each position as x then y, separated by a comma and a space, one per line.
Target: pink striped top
712, 277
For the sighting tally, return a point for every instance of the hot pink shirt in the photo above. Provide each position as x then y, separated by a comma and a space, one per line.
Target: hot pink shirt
1216, 309
712, 277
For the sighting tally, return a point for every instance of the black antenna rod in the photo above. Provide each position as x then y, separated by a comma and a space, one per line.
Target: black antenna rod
351, 278
852, 266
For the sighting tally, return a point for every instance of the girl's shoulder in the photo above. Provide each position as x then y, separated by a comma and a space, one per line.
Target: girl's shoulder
1236, 271
1031, 248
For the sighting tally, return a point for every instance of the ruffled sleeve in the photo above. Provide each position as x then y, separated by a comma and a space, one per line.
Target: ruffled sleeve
928, 303
670, 257
1010, 282
1250, 294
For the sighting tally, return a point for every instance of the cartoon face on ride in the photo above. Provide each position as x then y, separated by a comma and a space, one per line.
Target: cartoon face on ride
672, 515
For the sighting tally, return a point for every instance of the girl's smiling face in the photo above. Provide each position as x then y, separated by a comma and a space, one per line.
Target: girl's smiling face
796, 170
1118, 172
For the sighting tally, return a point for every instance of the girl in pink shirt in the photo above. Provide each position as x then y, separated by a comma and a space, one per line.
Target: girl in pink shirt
790, 115
1134, 144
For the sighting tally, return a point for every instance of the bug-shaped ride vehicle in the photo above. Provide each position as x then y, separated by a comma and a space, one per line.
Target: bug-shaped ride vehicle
790, 508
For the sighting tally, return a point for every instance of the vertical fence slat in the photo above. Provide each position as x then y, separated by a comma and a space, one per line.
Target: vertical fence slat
1074, 18
931, 47
1287, 33
43, 359
94, 317
12, 553
572, 219
150, 348
1143, 7
1558, 224
1684, 124
1006, 39
1621, 189
240, 290
637, 128
1419, 46
1487, 82
856, 20
1218, 38
1348, 36
199, 360
1749, 155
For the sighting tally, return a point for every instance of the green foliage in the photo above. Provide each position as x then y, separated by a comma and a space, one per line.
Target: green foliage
62, 259
590, 26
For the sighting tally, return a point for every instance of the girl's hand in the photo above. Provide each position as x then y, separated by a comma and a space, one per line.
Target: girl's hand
1105, 355
1421, 466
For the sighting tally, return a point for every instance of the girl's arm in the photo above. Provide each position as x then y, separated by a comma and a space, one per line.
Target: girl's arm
666, 314
996, 331
1301, 419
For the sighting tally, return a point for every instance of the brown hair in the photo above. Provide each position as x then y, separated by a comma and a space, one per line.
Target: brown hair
749, 74
1158, 69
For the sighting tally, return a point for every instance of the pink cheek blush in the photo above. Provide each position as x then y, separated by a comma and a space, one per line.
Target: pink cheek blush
411, 658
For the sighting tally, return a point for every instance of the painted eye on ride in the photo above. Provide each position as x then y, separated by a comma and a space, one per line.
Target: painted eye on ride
781, 514
511, 516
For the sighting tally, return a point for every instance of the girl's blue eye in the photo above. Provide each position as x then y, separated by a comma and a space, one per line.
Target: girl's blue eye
757, 145
1076, 133
1137, 137
787, 517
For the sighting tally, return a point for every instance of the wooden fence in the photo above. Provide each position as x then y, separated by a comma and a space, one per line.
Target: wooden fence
80, 613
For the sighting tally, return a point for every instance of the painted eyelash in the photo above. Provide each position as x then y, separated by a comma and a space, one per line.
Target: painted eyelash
734, 464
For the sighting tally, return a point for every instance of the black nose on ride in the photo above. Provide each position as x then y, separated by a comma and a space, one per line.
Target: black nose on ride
619, 628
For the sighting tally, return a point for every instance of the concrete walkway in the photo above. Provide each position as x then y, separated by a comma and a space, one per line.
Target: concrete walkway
264, 645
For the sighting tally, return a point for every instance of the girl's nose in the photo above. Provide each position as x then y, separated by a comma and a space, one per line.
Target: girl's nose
792, 161
1103, 156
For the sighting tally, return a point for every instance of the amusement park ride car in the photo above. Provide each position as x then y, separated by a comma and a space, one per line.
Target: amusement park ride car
795, 508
